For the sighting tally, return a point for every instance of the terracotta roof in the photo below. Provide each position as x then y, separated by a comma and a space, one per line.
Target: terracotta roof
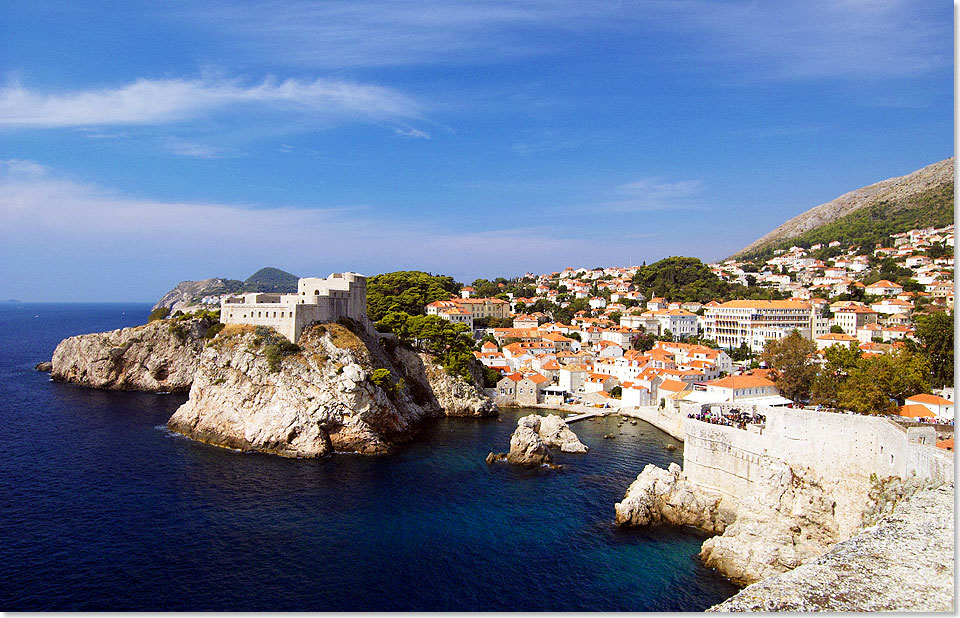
915, 411
946, 444
741, 381
931, 399
836, 337
674, 385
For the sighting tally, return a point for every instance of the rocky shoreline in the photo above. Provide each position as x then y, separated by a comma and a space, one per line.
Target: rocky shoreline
339, 390
904, 562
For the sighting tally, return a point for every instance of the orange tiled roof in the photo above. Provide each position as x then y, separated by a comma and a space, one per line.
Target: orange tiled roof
931, 399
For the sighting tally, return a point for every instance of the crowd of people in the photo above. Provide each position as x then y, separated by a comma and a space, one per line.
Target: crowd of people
731, 418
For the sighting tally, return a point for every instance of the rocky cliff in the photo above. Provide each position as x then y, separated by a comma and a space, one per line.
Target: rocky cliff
431, 384
160, 356
791, 516
665, 496
340, 391
905, 562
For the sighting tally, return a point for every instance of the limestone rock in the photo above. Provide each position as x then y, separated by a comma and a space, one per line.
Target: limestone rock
903, 563
45, 367
433, 386
526, 446
161, 356
665, 496
320, 399
790, 517
556, 433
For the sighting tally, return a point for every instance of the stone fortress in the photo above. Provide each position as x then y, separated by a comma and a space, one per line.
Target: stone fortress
317, 300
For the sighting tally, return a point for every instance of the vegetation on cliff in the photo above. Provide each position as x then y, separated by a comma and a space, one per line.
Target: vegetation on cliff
451, 343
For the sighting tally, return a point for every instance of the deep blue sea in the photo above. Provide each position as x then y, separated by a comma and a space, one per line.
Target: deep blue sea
102, 509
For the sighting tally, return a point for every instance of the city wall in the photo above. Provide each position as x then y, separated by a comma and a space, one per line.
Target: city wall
835, 446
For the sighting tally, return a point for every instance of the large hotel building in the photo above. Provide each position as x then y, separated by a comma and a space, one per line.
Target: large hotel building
753, 322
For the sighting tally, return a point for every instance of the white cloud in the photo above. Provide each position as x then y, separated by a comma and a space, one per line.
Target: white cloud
782, 40
649, 194
22, 168
413, 133
65, 229
152, 102
185, 148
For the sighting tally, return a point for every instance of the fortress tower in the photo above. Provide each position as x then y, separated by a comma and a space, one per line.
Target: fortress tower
317, 300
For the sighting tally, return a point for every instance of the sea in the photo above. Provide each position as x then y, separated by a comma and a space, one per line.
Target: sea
102, 508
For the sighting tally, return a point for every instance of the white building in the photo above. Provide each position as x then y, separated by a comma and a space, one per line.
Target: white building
317, 300
732, 323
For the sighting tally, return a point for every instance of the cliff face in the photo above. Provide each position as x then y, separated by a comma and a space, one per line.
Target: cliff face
431, 384
160, 356
320, 399
791, 516
903, 563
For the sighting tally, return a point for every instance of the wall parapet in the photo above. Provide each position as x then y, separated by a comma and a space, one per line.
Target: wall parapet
834, 446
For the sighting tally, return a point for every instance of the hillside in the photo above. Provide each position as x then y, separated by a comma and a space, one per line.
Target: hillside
189, 293
923, 198
271, 280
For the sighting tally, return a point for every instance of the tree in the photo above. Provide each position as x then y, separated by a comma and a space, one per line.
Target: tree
643, 341
792, 358
935, 333
407, 291
878, 384
836, 329
158, 314
840, 361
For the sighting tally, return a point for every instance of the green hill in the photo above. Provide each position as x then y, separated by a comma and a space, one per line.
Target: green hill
869, 215
271, 280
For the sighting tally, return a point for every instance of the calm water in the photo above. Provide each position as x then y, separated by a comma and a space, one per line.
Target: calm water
102, 509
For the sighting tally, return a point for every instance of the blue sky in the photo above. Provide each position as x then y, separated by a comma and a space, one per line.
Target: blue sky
142, 144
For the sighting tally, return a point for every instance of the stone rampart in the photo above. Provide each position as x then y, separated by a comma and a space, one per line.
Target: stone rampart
835, 446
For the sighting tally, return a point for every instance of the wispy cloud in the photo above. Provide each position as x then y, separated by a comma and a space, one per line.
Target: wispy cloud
413, 133
364, 34
185, 148
41, 213
650, 194
816, 38
155, 102
813, 39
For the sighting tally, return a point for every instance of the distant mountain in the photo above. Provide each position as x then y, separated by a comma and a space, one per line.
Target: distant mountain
868, 215
189, 293
12, 301
271, 280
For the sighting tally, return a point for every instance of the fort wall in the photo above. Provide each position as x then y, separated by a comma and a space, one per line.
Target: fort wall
835, 446
317, 300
